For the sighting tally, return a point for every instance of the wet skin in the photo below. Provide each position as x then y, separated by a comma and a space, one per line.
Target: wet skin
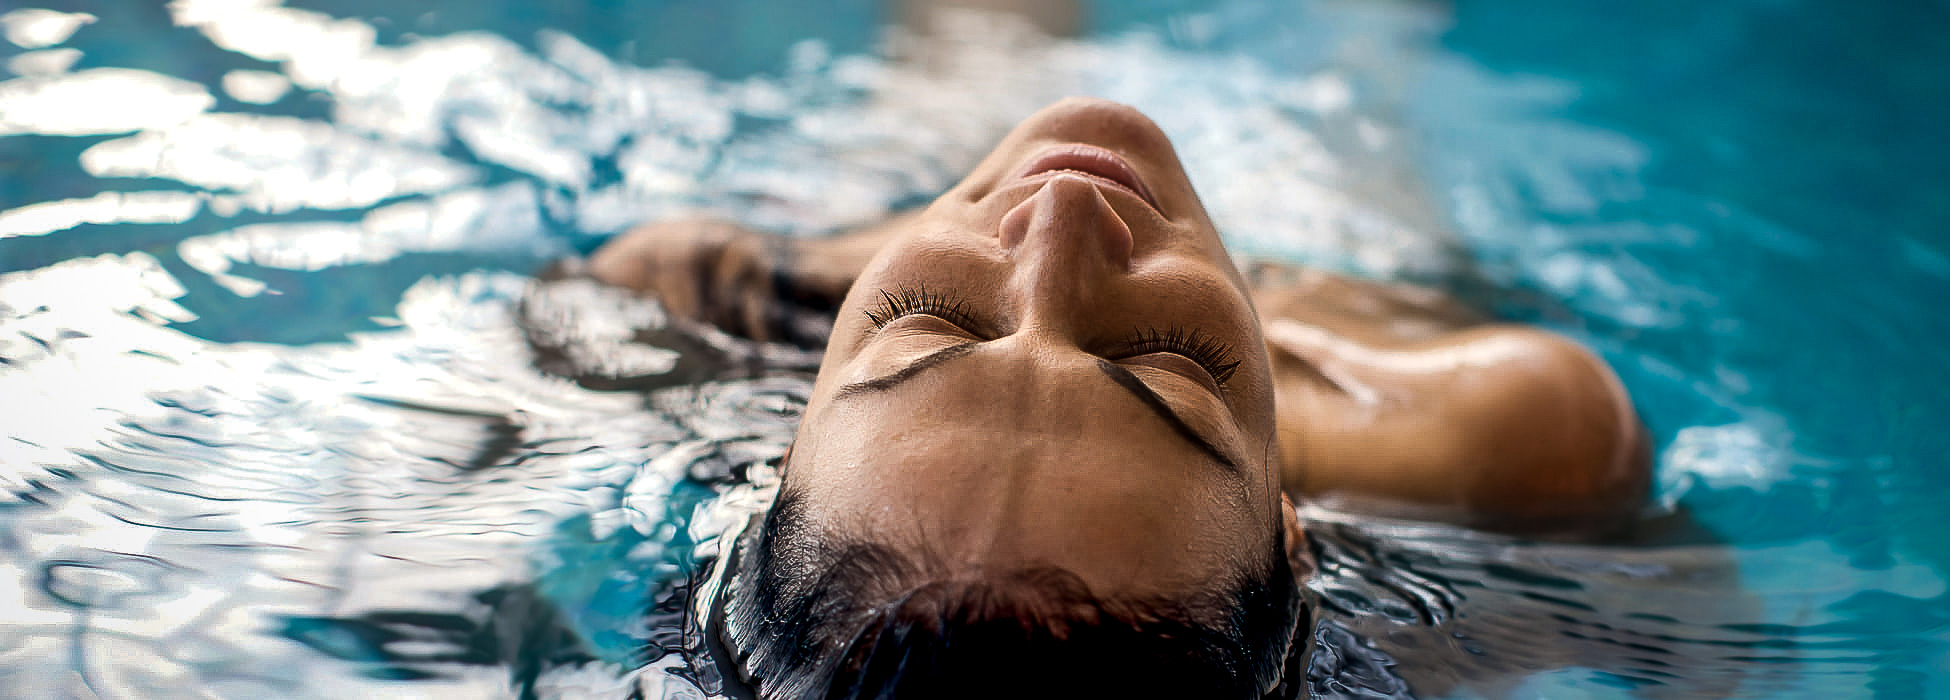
1058, 363
1059, 431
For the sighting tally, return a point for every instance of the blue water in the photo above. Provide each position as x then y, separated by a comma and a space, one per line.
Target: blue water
275, 423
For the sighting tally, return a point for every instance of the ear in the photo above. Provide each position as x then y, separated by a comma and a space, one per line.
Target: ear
1299, 554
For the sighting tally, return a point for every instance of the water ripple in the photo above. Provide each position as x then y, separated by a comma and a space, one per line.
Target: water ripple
489, 485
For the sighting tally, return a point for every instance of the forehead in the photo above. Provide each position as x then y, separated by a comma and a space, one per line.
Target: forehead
1003, 460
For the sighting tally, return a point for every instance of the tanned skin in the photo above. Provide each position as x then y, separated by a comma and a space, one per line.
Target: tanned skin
1390, 399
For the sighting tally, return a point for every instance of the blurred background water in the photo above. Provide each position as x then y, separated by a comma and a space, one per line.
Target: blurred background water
274, 423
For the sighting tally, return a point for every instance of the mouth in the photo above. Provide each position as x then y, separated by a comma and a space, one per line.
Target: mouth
1091, 163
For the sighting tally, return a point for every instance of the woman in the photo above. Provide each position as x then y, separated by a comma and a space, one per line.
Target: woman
1056, 430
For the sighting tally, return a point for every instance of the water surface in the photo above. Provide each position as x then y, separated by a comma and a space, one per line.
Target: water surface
274, 422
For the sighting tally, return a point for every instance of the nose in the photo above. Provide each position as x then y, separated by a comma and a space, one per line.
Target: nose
1066, 238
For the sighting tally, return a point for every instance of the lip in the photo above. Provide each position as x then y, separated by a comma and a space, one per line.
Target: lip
1091, 162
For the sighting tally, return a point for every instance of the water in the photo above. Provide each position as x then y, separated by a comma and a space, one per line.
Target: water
268, 333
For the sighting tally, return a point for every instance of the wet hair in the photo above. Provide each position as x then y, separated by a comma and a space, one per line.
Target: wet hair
814, 616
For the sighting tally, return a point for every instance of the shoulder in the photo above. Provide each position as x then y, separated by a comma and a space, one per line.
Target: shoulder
1552, 429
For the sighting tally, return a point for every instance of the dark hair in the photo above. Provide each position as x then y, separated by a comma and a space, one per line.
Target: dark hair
812, 616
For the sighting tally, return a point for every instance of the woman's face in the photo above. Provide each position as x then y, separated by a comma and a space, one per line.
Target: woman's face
1054, 364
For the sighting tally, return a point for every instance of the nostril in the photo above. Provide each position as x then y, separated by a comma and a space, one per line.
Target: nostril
1068, 216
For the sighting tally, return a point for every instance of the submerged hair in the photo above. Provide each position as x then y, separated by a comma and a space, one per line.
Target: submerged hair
813, 616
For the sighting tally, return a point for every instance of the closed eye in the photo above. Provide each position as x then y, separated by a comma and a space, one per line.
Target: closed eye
1211, 354
908, 301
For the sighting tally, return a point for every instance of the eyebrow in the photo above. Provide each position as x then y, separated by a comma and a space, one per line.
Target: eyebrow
1122, 377
1137, 387
905, 373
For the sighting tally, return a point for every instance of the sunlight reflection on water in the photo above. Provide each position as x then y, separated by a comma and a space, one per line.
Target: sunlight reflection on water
305, 425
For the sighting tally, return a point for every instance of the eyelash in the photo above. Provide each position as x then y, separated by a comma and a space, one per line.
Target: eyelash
1209, 352
907, 301
1213, 355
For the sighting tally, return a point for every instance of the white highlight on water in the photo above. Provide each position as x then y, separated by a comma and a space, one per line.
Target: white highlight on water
98, 101
43, 63
255, 86
154, 207
278, 164
35, 28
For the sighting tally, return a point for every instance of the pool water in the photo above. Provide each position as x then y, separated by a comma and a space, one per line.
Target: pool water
275, 424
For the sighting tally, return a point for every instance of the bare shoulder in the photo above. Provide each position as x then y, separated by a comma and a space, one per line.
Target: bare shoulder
1397, 399
1368, 309
1554, 428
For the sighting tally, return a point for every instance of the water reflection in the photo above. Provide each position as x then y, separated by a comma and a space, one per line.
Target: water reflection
287, 414
373, 496
276, 164
156, 207
501, 220
91, 101
34, 28
1459, 611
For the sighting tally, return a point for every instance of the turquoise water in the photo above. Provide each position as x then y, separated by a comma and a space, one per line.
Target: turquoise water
275, 422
